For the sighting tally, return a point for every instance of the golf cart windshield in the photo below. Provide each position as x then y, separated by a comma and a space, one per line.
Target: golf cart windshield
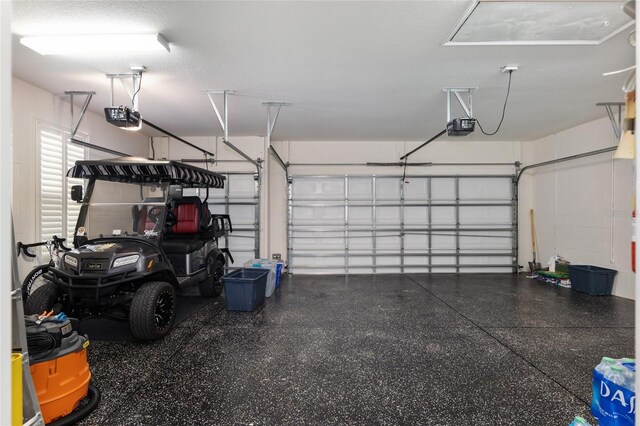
124, 209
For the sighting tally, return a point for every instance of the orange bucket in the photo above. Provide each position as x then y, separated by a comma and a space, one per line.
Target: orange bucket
61, 384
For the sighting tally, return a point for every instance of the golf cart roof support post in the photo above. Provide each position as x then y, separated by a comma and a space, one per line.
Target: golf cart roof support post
615, 124
224, 123
563, 159
179, 139
75, 124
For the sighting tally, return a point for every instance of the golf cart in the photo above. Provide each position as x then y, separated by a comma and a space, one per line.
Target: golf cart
143, 233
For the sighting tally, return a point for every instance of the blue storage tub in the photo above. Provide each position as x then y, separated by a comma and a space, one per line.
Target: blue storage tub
244, 289
592, 280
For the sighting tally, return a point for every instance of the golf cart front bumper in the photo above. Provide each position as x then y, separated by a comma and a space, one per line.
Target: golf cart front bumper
90, 288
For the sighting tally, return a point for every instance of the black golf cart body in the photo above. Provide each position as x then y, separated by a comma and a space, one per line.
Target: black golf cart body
135, 227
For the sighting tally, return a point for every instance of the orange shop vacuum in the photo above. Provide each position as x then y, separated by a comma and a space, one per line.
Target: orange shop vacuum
59, 368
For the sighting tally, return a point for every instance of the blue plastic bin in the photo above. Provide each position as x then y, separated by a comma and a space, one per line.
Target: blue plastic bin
592, 280
244, 289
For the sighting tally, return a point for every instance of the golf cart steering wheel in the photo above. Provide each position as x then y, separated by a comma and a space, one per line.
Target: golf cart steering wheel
154, 214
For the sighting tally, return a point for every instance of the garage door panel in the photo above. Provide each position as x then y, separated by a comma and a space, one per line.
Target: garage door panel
443, 242
443, 215
360, 240
328, 242
310, 189
239, 199
431, 224
317, 215
485, 189
485, 216
416, 215
242, 241
486, 240
361, 215
388, 215
388, 189
360, 189
416, 189
388, 242
443, 189
241, 186
416, 242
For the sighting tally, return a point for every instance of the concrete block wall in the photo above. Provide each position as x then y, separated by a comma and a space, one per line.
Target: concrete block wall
582, 207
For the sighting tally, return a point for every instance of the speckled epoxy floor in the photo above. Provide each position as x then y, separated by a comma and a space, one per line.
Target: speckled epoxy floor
365, 349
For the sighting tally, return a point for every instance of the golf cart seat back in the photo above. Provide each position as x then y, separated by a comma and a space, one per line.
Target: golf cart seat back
192, 216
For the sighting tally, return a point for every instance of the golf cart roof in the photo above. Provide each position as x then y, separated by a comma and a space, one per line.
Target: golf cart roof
141, 170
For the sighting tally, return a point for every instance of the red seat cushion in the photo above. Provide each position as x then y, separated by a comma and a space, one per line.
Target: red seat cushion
187, 219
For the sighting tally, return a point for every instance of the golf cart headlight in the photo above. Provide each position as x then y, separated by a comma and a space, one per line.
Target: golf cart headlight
127, 260
70, 260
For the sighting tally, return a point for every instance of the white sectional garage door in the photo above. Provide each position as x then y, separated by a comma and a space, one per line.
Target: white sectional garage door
375, 224
241, 201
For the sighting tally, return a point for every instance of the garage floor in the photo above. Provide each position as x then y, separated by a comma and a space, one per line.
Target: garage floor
385, 349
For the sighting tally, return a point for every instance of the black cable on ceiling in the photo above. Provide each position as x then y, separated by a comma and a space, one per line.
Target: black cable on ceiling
504, 109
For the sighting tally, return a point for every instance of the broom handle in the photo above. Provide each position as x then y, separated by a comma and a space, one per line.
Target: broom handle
533, 235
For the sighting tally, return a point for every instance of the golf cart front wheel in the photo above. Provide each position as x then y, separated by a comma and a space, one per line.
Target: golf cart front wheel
153, 310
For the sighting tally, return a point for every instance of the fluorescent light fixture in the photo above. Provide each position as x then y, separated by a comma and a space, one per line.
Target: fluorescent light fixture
490, 22
95, 43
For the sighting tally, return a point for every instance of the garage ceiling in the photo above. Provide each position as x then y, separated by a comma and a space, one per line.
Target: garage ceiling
352, 70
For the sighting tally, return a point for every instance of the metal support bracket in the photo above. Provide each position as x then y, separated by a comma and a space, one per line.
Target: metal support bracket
224, 122
457, 91
273, 110
616, 124
272, 117
136, 81
76, 123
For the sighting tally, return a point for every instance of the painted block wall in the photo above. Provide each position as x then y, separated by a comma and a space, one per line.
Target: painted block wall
583, 207
31, 105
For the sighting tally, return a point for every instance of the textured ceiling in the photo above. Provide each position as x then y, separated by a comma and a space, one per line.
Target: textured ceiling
352, 70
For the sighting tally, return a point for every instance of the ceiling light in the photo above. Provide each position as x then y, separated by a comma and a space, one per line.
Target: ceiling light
489, 22
95, 43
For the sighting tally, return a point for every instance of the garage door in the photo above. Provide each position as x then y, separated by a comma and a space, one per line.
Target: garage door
239, 199
376, 224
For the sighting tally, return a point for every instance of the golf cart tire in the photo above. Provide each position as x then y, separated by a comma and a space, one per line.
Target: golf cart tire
144, 307
42, 299
208, 285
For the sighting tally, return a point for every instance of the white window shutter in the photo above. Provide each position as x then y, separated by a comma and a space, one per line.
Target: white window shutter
51, 182
58, 213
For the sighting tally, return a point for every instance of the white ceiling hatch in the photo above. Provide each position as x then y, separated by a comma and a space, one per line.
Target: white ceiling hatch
365, 70
539, 22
